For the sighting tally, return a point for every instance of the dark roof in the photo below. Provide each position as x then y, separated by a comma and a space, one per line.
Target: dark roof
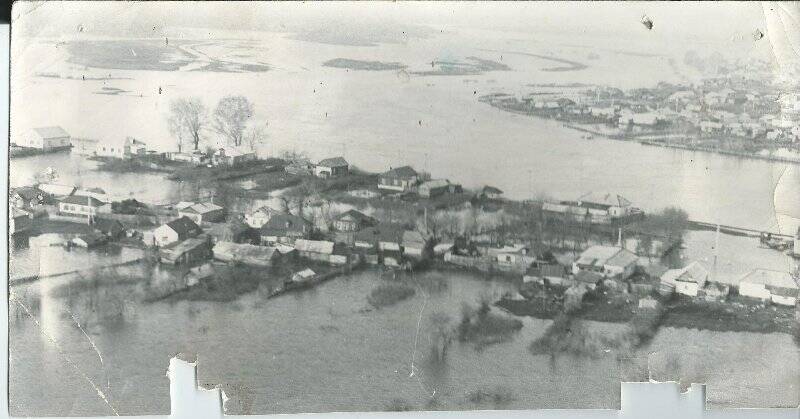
28, 193
381, 233
357, 215
92, 239
184, 226
333, 162
401, 172
285, 223
82, 200
491, 189
108, 226
588, 277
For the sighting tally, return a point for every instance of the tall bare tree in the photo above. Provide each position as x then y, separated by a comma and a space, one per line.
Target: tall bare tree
231, 116
255, 135
187, 118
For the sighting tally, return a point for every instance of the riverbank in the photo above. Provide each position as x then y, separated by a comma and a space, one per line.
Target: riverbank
738, 314
657, 138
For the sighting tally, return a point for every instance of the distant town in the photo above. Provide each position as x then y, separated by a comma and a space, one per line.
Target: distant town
733, 113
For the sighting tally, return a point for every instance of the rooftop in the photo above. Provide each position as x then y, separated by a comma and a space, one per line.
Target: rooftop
315, 246
333, 162
82, 200
770, 278
606, 255
184, 225
401, 172
51, 132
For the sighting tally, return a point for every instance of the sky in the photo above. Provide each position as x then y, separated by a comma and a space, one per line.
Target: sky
700, 21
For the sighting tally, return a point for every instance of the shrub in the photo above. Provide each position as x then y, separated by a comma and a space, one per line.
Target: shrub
388, 294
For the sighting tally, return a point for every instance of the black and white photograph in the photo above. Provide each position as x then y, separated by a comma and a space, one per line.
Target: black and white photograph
402, 206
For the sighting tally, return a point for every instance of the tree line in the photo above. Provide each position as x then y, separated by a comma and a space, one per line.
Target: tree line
189, 120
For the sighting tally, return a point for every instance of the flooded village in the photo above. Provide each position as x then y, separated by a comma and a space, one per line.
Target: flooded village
448, 276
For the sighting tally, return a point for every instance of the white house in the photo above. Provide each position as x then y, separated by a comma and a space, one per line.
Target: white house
688, 280
120, 148
174, 231
260, 216
45, 138
400, 179
202, 212
609, 261
84, 206
331, 167
777, 286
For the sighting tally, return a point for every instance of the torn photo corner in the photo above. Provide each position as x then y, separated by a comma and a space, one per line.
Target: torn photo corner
341, 207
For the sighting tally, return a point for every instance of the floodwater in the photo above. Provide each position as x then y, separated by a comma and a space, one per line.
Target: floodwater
319, 350
378, 119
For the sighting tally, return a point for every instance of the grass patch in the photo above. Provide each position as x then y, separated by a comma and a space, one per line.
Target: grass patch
497, 397
389, 294
482, 327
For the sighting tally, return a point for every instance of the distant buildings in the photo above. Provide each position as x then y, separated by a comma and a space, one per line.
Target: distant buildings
437, 187
232, 156
490, 192
121, 149
332, 167
400, 179
45, 139
601, 210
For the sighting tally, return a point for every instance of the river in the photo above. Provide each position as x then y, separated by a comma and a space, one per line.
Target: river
378, 119
316, 350
272, 356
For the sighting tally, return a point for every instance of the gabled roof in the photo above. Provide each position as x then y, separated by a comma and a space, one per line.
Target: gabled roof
201, 208
50, 132
588, 277
92, 238
606, 255
28, 193
357, 216
401, 172
413, 238
333, 162
108, 225
184, 226
315, 246
381, 233
435, 183
55, 189
694, 272
491, 189
770, 278
83, 200
285, 223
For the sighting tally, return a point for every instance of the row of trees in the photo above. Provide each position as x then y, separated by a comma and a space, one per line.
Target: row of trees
231, 119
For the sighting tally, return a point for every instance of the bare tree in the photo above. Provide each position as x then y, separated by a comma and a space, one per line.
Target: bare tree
187, 118
256, 135
231, 116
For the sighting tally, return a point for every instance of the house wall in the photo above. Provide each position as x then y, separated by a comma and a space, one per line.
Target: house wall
110, 150
759, 291
163, 236
687, 288
257, 220
75, 209
783, 300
